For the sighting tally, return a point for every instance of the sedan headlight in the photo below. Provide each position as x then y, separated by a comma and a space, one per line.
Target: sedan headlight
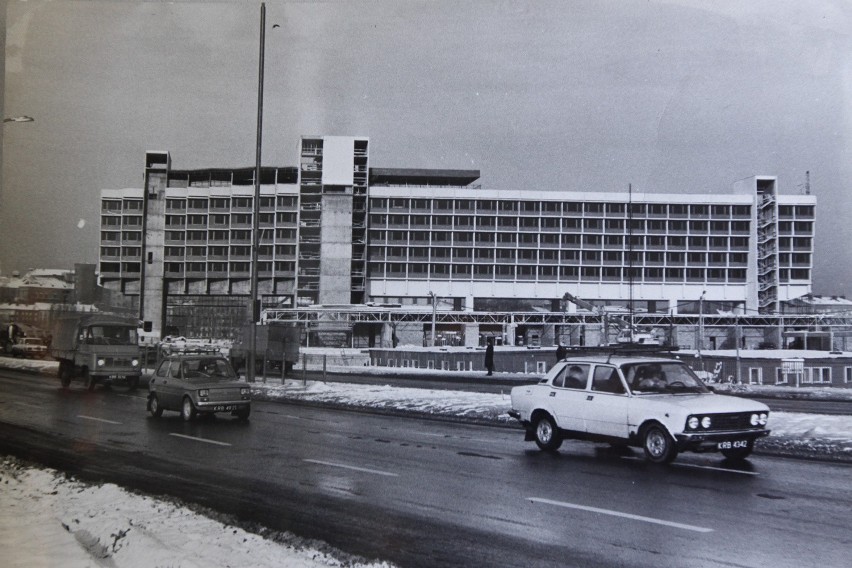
692, 423
706, 422
134, 363
244, 391
754, 420
101, 362
204, 393
763, 419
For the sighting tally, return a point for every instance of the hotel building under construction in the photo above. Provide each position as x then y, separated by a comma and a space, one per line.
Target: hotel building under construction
335, 231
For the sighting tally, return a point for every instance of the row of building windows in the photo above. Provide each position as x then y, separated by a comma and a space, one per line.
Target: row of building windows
546, 240
569, 208
424, 254
564, 224
393, 270
468, 207
463, 272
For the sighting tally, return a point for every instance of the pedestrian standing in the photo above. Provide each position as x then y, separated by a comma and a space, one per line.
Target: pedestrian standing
560, 352
489, 356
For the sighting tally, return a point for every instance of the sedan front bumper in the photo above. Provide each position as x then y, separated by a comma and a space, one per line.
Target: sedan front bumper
706, 440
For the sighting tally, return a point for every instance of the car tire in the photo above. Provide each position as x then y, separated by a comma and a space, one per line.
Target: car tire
187, 409
243, 413
154, 406
66, 370
658, 445
738, 454
546, 434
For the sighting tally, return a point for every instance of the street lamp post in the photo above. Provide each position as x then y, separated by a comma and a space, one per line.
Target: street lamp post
434, 308
254, 308
701, 322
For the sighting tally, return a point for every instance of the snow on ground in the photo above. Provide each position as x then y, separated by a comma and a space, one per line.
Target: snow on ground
47, 519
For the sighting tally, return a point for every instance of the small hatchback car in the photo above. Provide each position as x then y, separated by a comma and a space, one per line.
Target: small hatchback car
657, 404
198, 384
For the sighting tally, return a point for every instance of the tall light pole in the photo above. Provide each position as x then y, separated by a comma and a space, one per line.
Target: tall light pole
255, 220
701, 322
434, 308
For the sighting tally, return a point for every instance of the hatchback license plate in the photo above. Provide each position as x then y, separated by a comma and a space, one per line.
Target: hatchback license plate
223, 407
730, 444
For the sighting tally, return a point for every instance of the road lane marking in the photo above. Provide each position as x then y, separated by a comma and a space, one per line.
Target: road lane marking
620, 514
352, 467
205, 440
696, 466
98, 419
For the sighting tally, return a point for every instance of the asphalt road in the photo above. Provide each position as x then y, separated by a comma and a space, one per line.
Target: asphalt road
431, 493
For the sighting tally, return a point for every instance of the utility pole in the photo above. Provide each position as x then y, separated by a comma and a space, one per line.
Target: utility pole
701, 321
434, 314
254, 309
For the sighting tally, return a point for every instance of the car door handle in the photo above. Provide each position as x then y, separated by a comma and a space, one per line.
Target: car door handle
590, 397
552, 393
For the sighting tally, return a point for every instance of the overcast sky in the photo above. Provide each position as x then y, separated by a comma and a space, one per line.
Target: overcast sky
678, 96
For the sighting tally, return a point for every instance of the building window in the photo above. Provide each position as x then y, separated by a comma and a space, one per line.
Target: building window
483, 271
817, 375
571, 224
569, 273
110, 206
615, 209
755, 375
847, 374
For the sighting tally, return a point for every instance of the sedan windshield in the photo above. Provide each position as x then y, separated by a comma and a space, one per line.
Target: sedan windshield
664, 377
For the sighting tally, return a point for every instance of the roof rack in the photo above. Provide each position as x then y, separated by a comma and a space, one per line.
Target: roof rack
624, 349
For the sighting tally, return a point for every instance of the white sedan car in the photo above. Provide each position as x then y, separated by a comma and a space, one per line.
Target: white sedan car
657, 404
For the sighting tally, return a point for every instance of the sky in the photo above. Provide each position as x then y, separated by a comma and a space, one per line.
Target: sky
676, 96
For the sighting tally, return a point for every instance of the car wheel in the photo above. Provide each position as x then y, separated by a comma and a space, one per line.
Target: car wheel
659, 446
187, 409
90, 380
154, 406
65, 371
546, 434
243, 414
737, 454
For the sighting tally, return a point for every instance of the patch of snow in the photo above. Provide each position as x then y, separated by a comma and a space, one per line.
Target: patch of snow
47, 519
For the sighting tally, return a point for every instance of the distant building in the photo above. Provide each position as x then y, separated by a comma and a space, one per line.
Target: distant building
40, 295
816, 304
334, 230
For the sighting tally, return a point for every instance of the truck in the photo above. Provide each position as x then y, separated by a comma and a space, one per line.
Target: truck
99, 348
275, 342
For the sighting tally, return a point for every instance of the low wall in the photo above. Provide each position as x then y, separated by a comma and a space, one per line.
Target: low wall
506, 359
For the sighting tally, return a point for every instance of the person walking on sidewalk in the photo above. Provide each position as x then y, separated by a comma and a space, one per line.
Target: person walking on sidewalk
489, 356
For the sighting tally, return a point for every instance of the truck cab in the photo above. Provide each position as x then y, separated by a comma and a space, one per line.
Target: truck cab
100, 349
